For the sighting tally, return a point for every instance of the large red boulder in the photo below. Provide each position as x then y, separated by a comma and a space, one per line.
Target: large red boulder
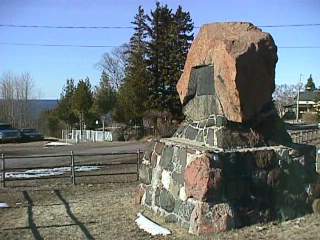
243, 61
201, 179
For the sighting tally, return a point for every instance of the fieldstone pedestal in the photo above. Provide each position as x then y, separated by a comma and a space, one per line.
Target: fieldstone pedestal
231, 163
209, 190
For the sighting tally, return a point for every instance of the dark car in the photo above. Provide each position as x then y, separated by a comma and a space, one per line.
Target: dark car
30, 134
8, 133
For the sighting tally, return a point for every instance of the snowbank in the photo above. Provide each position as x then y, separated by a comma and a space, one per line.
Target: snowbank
150, 227
48, 172
3, 205
57, 144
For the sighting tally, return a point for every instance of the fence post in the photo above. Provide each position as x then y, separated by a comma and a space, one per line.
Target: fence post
138, 164
73, 176
3, 170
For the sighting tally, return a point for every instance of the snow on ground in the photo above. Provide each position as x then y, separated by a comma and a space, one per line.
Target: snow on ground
48, 172
150, 227
3, 205
57, 144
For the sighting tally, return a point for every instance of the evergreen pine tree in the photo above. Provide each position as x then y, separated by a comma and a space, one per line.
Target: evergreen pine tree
136, 72
310, 86
159, 29
82, 100
65, 110
156, 57
133, 93
170, 38
105, 96
180, 42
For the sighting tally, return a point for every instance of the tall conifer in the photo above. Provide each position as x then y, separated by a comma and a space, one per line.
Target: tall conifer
169, 37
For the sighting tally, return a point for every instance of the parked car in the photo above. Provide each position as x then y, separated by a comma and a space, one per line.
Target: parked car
30, 134
8, 133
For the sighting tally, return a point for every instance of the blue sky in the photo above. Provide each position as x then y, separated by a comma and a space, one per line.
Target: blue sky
50, 67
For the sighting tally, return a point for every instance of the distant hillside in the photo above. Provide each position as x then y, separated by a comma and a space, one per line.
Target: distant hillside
40, 105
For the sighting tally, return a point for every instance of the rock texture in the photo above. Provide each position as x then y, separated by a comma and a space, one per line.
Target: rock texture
229, 71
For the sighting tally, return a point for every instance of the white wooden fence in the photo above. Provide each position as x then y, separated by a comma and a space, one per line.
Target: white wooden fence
311, 136
77, 136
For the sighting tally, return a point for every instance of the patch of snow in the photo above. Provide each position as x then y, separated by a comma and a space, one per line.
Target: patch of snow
261, 228
56, 144
150, 227
49, 172
86, 168
3, 205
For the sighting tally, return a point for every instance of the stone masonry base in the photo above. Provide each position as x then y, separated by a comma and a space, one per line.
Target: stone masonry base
209, 190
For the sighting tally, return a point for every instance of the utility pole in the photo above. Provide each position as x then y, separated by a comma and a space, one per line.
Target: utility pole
298, 98
104, 134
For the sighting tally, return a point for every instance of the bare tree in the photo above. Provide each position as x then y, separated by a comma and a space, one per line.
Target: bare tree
7, 97
16, 91
284, 95
114, 65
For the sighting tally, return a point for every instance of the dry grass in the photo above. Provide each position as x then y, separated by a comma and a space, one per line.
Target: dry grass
106, 211
87, 211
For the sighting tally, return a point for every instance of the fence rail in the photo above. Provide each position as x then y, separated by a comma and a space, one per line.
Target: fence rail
71, 166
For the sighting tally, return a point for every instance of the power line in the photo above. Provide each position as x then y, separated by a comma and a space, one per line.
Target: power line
110, 46
291, 25
57, 45
299, 47
64, 27
131, 27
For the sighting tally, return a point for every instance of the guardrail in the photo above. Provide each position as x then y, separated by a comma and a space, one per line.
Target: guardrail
69, 170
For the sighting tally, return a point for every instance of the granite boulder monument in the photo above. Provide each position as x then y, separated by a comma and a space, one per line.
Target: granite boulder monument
231, 163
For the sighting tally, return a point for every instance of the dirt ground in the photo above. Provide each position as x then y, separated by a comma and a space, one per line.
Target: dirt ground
103, 208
